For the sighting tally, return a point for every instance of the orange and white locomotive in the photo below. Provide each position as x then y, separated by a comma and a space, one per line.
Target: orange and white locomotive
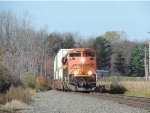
75, 69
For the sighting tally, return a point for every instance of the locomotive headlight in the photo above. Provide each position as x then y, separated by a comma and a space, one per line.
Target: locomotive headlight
89, 72
82, 60
75, 72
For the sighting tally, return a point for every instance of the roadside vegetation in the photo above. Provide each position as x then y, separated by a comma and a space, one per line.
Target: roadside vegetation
129, 86
16, 93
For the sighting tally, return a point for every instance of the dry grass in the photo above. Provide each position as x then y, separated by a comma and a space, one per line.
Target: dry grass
16, 98
18, 93
137, 88
14, 105
104, 83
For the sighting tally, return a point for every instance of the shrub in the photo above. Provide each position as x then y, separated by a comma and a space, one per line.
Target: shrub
29, 82
101, 89
45, 87
41, 80
117, 89
40, 83
7, 79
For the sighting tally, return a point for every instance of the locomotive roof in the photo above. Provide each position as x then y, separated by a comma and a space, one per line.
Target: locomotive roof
81, 50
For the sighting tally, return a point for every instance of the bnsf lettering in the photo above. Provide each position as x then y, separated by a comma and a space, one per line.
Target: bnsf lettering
80, 65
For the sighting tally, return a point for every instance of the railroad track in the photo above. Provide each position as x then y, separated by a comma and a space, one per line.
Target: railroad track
128, 100
140, 102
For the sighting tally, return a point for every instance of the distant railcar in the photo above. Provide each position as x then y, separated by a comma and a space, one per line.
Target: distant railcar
102, 73
75, 69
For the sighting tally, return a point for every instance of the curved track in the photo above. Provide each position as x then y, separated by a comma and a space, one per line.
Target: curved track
140, 102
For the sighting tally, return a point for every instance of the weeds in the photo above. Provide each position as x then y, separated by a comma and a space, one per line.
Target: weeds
7, 79
15, 93
17, 97
137, 88
14, 105
43, 87
31, 82
117, 89
130, 86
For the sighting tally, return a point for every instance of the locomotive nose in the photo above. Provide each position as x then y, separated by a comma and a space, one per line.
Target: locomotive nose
82, 60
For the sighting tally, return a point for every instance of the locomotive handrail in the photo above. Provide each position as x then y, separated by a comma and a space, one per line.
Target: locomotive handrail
94, 72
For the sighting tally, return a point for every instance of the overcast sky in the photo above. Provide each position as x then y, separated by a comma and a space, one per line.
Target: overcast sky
88, 18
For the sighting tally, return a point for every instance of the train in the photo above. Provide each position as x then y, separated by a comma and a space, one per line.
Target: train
75, 69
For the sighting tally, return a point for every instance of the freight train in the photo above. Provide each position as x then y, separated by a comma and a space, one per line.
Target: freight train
75, 69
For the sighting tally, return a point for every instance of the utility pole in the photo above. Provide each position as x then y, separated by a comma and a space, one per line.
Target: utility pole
145, 63
149, 59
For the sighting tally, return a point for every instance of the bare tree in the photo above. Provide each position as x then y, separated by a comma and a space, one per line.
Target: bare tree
88, 43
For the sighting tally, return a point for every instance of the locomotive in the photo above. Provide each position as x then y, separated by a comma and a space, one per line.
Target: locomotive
75, 69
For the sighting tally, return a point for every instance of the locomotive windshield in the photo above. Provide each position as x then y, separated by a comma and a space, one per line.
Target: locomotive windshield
75, 54
88, 54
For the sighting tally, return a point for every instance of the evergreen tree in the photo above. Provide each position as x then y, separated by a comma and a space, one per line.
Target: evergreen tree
103, 50
68, 41
137, 61
119, 65
53, 43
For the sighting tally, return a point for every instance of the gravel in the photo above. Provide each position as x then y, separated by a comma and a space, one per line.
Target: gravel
64, 102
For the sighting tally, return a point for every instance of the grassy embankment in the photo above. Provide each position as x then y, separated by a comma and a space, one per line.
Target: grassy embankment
18, 97
135, 86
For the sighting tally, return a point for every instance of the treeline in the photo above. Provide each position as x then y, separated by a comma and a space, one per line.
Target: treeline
27, 51
115, 52
119, 55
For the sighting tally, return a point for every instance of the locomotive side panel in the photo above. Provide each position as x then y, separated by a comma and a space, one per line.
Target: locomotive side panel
58, 68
